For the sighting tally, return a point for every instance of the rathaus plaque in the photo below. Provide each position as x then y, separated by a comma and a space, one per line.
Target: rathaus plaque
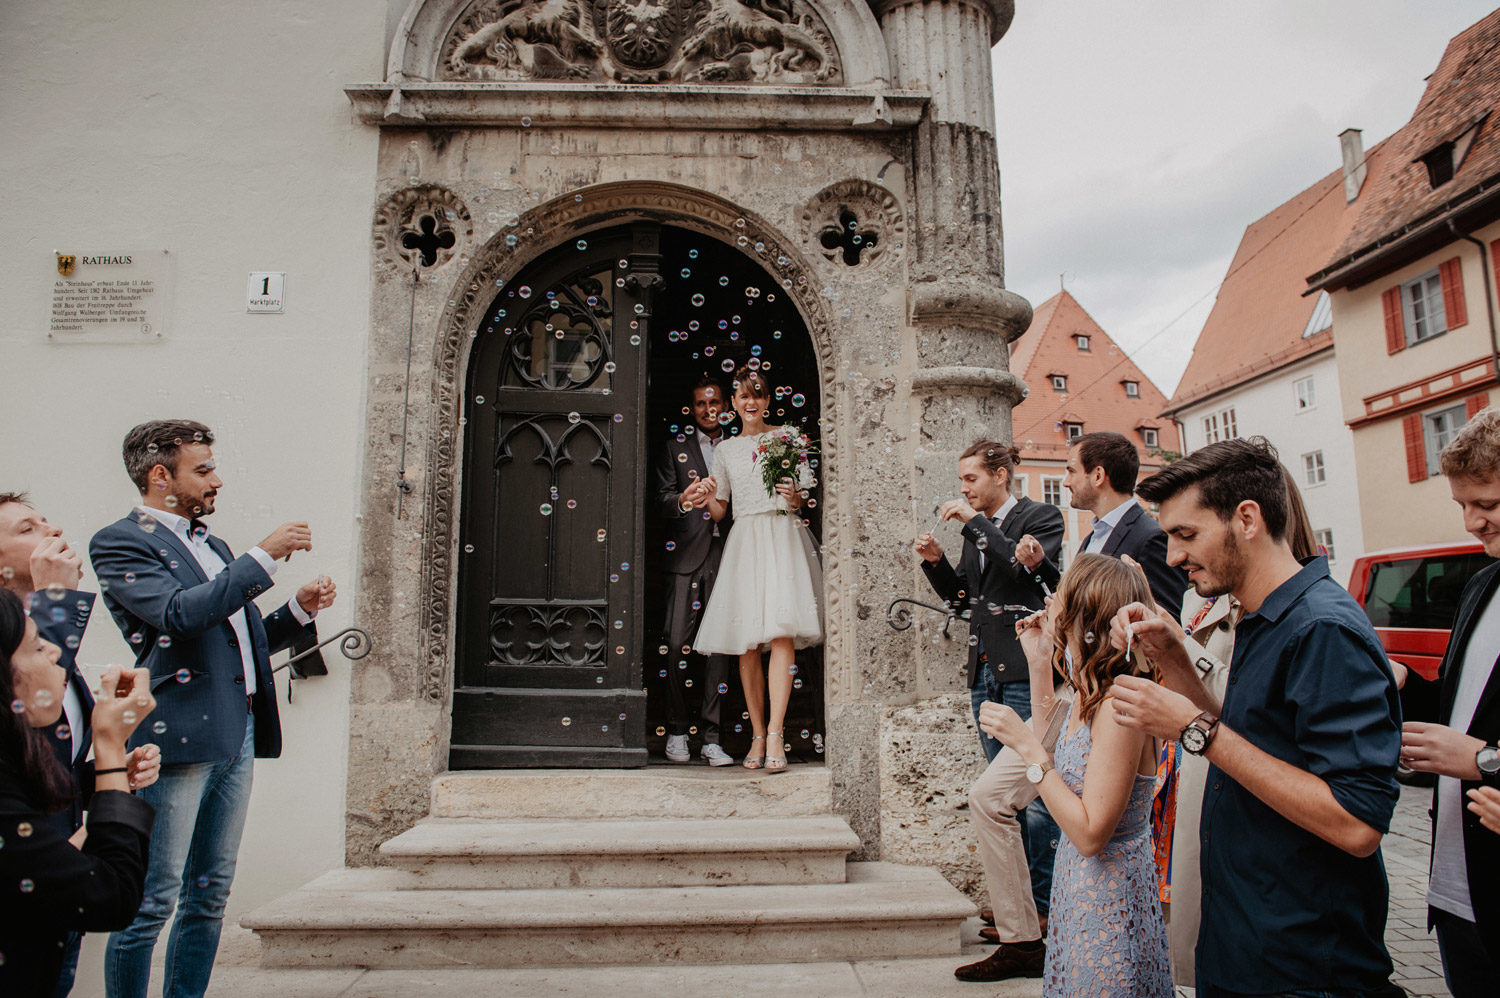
109, 297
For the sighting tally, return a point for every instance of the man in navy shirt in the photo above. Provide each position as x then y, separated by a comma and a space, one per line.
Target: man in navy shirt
1303, 749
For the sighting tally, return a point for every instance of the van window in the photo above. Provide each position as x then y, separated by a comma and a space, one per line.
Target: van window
1420, 592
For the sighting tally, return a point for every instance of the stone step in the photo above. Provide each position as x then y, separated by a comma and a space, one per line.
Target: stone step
354, 918
478, 853
654, 792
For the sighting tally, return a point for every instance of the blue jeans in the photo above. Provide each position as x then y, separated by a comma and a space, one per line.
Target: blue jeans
200, 815
1040, 833
70, 965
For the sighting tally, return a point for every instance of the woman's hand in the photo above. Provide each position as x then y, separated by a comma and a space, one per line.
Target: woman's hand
700, 492
787, 489
143, 766
1004, 725
124, 701
1035, 633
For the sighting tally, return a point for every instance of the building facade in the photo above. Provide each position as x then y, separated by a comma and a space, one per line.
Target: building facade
1413, 295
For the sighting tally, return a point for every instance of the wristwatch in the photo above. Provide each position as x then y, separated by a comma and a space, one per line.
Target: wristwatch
1199, 732
1037, 771
1488, 761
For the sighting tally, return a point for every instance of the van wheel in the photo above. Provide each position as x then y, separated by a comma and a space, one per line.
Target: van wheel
1412, 778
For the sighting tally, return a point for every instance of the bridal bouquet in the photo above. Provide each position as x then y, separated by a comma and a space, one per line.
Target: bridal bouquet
780, 453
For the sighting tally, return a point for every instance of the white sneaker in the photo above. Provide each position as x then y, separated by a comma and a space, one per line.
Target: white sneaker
677, 748
716, 756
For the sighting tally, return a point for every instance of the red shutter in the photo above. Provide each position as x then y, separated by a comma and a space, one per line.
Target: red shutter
1416, 452
1452, 276
1474, 403
1395, 323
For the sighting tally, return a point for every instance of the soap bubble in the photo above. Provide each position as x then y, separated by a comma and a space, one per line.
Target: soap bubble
546, 509
582, 244
64, 733
202, 881
129, 576
567, 721
698, 301
43, 698
728, 366
27, 886
723, 687
24, 829
601, 535
160, 727
574, 417
1088, 637
183, 675
165, 641
572, 503
56, 591
799, 400
524, 291
671, 545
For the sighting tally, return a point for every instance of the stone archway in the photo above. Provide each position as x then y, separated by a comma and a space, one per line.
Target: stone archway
534, 233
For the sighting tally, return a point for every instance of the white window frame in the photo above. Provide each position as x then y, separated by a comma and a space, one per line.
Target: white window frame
1149, 436
1018, 485
1231, 424
1049, 483
1211, 428
1324, 539
1314, 470
1072, 431
1059, 382
1439, 427
1305, 391
1132, 389
1422, 307
1081, 341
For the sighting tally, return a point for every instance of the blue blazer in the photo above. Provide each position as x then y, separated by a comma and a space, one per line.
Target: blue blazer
177, 621
62, 621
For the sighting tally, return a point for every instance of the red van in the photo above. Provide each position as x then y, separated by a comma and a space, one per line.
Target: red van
1411, 596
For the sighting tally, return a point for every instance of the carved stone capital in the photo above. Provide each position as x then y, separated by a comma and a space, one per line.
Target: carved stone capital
976, 380
1001, 12
970, 303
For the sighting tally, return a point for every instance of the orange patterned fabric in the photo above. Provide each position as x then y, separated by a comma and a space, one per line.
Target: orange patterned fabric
1164, 817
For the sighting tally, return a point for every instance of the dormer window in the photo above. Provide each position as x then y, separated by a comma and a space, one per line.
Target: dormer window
1148, 436
1443, 160
1083, 343
1059, 382
1132, 389
1072, 431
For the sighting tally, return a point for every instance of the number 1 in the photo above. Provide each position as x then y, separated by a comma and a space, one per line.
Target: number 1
265, 285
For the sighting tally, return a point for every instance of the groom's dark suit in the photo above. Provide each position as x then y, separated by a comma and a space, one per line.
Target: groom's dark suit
62, 621
981, 592
1141, 537
694, 547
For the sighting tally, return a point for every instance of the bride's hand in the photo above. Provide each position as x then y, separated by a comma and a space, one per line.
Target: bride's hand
787, 489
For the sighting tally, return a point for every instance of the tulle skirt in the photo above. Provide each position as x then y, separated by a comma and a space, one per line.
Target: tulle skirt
770, 585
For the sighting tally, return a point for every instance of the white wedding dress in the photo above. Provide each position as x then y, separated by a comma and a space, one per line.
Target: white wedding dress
770, 583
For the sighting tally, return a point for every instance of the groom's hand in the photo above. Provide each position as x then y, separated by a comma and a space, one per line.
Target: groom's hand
929, 549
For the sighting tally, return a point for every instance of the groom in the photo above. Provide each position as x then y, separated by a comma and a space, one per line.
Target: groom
694, 546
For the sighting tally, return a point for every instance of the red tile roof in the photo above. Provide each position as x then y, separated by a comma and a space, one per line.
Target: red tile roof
1399, 196
1260, 312
1096, 391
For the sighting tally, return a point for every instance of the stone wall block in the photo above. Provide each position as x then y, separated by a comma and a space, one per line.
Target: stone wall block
394, 749
929, 758
853, 756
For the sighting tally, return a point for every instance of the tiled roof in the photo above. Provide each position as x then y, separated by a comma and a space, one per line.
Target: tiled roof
1462, 90
1096, 393
1260, 313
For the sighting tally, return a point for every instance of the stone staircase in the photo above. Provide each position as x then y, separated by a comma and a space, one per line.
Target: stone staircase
565, 868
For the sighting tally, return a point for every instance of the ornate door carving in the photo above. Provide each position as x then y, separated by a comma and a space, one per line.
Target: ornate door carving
550, 610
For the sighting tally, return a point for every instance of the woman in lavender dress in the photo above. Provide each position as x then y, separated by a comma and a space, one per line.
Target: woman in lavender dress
1106, 938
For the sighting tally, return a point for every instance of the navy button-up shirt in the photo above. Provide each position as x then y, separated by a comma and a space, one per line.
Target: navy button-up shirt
1283, 909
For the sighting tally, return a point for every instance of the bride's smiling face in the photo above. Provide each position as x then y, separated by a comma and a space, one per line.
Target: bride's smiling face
751, 407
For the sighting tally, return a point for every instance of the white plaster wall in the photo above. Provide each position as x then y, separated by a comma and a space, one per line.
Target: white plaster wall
217, 131
1268, 407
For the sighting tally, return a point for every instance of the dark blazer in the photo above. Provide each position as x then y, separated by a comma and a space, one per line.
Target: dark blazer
48, 888
979, 595
678, 466
1481, 846
177, 620
62, 622
1138, 535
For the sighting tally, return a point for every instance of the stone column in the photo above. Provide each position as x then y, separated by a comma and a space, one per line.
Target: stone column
961, 319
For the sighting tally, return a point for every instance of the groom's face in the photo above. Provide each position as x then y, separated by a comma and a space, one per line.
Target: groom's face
708, 402
984, 489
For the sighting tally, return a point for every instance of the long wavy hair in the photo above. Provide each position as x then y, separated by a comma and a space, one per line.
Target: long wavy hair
1090, 594
23, 747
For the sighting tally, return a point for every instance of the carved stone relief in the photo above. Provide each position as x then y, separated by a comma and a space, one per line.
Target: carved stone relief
642, 41
539, 229
424, 226
855, 225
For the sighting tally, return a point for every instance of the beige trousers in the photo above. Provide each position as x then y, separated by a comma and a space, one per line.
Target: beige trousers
996, 798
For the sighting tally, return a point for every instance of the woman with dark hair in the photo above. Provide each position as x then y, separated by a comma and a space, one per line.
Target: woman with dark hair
770, 585
48, 886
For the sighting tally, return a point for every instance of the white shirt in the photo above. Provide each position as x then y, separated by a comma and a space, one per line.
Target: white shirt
1097, 541
1448, 888
706, 445
208, 559
72, 705
999, 518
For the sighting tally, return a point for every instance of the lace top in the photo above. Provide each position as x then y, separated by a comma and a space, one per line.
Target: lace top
738, 474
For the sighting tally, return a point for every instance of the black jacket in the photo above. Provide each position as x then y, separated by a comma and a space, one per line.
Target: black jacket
1481, 846
48, 888
1138, 535
982, 595
691, 532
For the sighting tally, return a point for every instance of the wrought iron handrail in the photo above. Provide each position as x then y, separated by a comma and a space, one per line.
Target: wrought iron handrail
900, 617
354, 643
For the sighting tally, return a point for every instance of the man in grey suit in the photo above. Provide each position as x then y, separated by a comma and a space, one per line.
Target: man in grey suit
694, 546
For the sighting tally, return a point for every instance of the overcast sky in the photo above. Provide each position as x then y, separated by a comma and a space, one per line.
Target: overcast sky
1137, 140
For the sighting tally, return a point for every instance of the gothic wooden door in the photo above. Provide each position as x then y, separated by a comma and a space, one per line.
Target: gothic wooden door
550, 607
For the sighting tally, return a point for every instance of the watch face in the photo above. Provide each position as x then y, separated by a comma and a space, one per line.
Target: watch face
1034, 772
1488, 760
1193, 739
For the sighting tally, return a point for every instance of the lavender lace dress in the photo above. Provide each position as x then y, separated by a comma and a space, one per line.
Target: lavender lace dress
1106, 938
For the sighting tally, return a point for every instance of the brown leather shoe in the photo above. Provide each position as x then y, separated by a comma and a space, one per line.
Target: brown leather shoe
990, 934
987, 916
1012, 960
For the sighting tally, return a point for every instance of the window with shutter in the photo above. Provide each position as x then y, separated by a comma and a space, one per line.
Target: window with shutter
1416, 453
1474, 403
1455, 312
1395, 325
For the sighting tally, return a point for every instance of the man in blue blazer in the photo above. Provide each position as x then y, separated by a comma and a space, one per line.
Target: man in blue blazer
39, 566
185, 604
